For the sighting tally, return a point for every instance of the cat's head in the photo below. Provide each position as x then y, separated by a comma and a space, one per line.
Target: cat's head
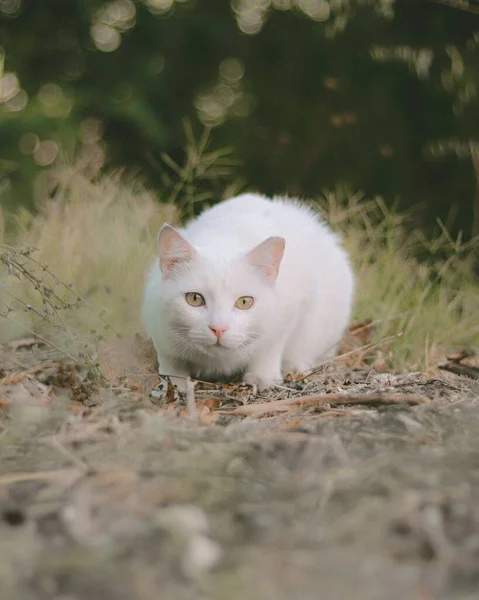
215, 304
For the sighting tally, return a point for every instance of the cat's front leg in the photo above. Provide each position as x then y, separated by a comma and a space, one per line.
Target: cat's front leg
265, 370
178, 374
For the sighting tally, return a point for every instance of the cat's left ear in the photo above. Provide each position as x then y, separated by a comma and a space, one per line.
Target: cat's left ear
173, 249
267, 257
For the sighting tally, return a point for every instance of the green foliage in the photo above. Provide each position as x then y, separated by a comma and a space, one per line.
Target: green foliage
380, 96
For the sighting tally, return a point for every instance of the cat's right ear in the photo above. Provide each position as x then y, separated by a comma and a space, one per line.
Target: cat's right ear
267, 257
173, 249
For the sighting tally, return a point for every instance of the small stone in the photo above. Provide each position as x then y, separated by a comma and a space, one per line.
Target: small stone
187, 518
201, 554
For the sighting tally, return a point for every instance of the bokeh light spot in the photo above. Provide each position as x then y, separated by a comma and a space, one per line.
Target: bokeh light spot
159, 6
10, 7
45, 153
18, 102
319, 10
105, 37
50, 94
231, 69
9, 86
28, 143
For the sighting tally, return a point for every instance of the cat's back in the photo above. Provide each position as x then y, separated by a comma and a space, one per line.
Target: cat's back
248, 219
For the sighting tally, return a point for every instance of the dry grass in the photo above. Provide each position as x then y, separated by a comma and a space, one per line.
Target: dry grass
99, 237
431, 305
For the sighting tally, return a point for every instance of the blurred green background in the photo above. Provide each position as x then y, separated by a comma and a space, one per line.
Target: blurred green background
371, 96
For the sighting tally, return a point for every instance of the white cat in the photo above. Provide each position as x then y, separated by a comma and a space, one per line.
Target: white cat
253, 285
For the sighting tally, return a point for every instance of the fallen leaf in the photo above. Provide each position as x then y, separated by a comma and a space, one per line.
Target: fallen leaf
128, 361
358, 335
207, 416
76, 406
211, 403
380, 365
363, 330
146, 353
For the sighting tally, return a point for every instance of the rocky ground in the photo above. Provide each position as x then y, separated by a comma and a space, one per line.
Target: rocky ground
356, 482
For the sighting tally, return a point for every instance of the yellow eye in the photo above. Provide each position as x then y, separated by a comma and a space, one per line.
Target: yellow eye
194, 299
244, 302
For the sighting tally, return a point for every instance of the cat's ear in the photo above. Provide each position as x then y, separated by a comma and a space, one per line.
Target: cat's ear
267, 257
173, 249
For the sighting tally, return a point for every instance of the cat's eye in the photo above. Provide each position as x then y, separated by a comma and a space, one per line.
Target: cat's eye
244, 302
195, 299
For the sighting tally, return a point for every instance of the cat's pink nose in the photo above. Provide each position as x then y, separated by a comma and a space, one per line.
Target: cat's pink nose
218, 331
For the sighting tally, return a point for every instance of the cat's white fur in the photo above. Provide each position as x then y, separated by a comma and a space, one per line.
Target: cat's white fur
302, 299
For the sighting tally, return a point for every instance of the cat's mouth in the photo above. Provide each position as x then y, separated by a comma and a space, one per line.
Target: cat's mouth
210, 348
219, 347
227, 345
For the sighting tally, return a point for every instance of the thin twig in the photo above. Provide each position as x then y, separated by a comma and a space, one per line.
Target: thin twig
461, 369
334, 399
36, 283
21, 267
37, 335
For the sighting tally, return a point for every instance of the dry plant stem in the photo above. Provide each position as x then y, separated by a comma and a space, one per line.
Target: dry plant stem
285, 405
11, 261
41, 338
47, 301
351, 352
14, 361
372, 398
21, 269
195, 381
32, 309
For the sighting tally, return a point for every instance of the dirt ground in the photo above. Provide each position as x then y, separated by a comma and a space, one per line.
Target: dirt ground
353, 484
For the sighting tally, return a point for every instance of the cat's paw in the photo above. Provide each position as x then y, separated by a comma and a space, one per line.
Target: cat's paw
262, 381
